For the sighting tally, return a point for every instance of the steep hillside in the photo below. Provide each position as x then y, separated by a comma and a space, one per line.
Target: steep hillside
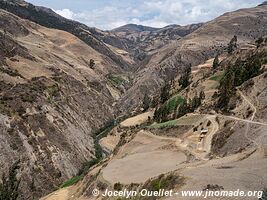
204, 43
55, 93
48, 18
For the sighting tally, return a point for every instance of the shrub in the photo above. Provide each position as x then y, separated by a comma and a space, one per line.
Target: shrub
165, 92
232, 45
71, 181
259, 41
264, 194
216, 62
118, 186
92, 63
146, 102
164, 182
116, 79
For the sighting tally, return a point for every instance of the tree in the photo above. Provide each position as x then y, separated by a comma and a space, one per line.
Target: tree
232, 45
184, 79
146, 102
165, 92
216, 62
235, 75
154, 101
157, 114
226, 88
264, 194
202, 95
92, 63
259, 41
195, 103
182, 110
10, 184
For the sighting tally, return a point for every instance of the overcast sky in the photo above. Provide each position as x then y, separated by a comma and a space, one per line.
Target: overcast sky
109, 14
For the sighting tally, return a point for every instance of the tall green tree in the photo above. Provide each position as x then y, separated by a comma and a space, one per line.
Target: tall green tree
182, 110
259, 41
232, 45
146, 102
235, 75
226, 88
184, 80
165, 92
216, 62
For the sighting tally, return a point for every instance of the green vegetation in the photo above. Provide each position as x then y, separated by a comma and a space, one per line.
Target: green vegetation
232, 45
167, 182
71, 181
216, 62
217, 77
264, 194
184, 79
146, 102
10, 184
118, 186
237, 74
52, 91
259, 41
116, 79
165, 92
177, 106
173, 102
87, 165
163, 125
161, 114
105, 129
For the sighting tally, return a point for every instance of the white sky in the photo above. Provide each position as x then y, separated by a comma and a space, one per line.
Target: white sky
109, 14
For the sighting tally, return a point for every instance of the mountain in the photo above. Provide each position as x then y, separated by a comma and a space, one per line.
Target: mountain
66, 88
48, 18
130, 28
263, 4
143, 41
195, 48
